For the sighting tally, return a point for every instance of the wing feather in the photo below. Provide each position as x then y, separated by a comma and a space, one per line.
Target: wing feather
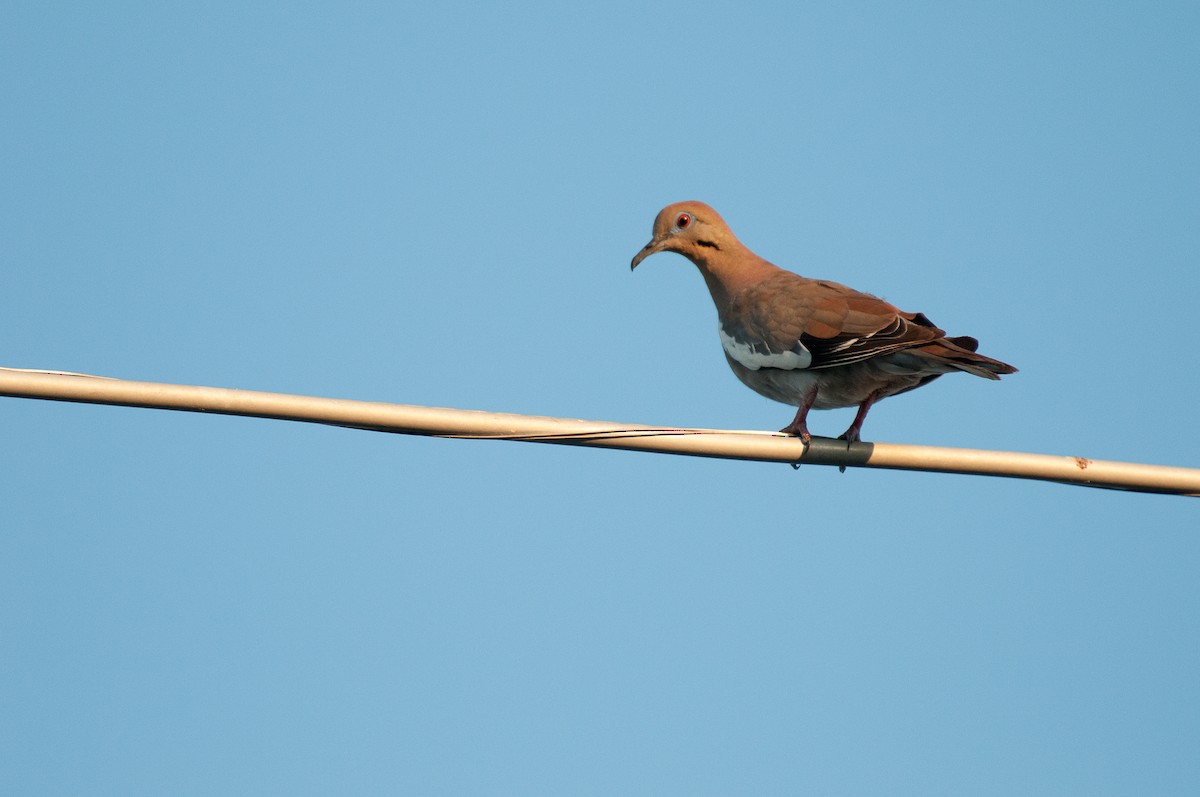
833, 324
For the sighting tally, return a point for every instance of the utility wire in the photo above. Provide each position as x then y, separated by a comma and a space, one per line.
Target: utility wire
477, 425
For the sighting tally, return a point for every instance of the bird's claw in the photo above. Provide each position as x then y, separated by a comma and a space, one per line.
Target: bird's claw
800, 432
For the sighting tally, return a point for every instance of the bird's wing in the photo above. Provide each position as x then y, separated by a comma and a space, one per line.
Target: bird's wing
788, 321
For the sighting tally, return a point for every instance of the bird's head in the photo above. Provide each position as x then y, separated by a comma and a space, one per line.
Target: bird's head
692, 229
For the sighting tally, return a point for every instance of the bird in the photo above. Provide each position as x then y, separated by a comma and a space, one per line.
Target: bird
809, 343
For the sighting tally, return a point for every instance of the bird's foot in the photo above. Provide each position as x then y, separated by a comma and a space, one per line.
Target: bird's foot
798, 430
799, 425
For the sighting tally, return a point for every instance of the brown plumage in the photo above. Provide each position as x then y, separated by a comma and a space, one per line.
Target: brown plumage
804, 342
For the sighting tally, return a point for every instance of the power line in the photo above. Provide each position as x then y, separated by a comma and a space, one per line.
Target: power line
478, 425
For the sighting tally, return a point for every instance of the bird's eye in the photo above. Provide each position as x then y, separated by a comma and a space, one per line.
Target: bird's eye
683, 221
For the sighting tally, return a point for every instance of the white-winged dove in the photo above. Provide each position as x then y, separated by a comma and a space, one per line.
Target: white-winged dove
805, 342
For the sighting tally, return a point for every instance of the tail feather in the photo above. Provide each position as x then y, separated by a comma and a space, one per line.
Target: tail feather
959, 353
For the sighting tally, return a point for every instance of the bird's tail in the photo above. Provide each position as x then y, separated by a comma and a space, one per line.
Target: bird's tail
959, 353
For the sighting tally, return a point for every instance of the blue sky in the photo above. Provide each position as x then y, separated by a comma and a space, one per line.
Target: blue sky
438, 206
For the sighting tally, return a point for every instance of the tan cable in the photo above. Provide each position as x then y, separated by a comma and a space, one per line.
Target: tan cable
473, 424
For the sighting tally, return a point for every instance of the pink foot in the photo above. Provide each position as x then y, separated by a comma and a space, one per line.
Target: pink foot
799, 424
798, 430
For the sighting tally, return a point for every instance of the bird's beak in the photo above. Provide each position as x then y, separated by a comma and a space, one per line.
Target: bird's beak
647, 250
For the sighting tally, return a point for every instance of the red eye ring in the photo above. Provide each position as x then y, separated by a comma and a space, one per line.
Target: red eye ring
683, 221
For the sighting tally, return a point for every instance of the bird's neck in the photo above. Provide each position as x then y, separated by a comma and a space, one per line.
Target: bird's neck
731, 269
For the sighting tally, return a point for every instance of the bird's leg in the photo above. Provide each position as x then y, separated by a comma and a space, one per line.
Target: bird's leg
799, 424
851, 435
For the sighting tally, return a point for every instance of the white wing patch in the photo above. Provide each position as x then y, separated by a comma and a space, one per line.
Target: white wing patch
744, 354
